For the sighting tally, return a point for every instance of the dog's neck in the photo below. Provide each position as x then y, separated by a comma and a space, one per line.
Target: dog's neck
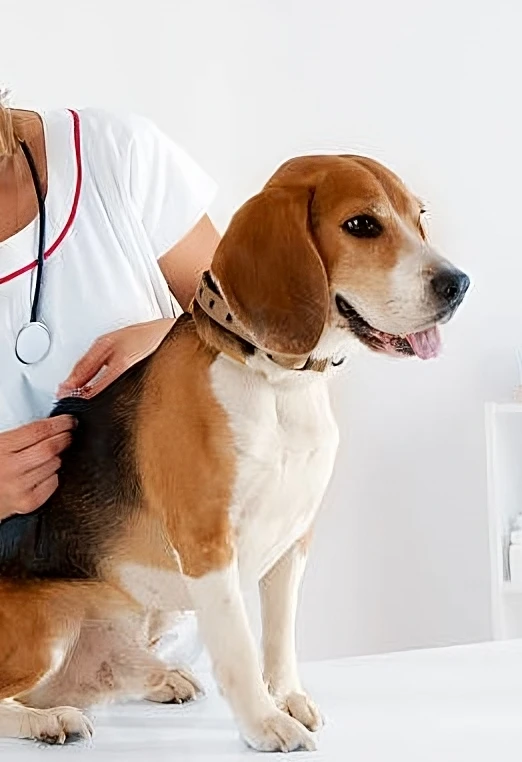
218, 338
218, 327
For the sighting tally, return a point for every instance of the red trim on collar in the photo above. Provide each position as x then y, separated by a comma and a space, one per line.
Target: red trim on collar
74, 207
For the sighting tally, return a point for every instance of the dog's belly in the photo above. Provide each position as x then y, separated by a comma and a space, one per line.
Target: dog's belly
155, 589
167, 616
286, 440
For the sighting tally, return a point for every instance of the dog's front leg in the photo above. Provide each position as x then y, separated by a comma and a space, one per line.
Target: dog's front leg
224, 626
279, 590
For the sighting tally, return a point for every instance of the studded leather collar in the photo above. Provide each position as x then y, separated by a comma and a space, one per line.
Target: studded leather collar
239, 343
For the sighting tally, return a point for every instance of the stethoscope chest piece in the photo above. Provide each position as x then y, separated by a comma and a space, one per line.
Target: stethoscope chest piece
33, 343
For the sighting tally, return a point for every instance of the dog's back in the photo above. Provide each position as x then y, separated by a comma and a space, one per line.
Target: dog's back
99, 490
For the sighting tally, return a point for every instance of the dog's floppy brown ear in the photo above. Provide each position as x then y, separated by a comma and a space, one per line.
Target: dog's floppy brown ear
271, 274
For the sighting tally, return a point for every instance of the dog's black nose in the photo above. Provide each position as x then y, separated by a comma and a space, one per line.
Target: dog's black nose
450, 286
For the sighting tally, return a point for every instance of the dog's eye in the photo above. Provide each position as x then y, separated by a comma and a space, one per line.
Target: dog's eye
363, 226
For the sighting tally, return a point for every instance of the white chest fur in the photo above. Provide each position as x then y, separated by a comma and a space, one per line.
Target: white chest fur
286, 441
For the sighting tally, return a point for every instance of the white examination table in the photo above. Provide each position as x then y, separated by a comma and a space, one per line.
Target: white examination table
446, 705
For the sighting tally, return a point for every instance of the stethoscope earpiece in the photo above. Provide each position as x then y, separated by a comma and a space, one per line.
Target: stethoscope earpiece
34, 340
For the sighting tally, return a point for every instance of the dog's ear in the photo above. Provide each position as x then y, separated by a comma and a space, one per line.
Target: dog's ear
271, 274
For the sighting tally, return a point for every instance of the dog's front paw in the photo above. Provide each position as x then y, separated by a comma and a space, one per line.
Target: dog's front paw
178, 687
302, 708
279, 732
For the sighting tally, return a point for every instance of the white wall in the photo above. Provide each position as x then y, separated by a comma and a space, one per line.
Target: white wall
433, 89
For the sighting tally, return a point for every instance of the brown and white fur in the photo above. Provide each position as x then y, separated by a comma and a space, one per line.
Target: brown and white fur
203, 467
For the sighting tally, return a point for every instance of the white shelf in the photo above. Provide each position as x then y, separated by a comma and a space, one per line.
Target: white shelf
508, 588
506, 407
504, 473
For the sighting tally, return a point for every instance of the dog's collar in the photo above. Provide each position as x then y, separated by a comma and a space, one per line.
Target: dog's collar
211, 301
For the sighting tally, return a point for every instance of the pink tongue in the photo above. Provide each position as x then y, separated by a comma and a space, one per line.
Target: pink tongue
425, 344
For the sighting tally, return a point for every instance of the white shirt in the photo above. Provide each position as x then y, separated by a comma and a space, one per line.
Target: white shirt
120, 194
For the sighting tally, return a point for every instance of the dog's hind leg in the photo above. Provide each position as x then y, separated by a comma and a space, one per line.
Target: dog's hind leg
110, 661
38, 622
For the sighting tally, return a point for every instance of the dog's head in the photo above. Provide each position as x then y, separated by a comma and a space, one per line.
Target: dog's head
336, 245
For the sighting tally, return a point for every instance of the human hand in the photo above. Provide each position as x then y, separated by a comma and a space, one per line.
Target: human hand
113, 354
29, 461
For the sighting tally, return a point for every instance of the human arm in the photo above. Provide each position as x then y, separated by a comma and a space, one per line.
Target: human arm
167, 195
116, 352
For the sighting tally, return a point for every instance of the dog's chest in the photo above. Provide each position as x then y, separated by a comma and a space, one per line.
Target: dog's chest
285, 439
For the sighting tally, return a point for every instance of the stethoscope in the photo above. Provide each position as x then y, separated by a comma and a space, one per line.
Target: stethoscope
34, 340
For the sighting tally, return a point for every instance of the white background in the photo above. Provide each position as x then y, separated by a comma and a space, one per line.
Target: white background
431, 88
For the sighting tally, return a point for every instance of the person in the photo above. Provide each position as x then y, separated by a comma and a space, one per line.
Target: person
127, 236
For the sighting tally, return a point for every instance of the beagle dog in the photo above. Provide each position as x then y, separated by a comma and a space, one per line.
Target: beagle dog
203, 468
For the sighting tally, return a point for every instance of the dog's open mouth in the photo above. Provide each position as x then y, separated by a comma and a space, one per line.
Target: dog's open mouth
424, 344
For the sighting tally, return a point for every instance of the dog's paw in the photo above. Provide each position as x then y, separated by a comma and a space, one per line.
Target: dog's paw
279, 732
178, 687
302, 708
59, 725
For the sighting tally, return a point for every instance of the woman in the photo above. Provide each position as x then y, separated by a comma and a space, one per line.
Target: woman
126, 228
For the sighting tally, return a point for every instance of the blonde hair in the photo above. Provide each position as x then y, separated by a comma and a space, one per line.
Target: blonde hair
8, 141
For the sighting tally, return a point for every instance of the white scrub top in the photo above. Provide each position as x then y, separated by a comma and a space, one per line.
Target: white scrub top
120, 194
